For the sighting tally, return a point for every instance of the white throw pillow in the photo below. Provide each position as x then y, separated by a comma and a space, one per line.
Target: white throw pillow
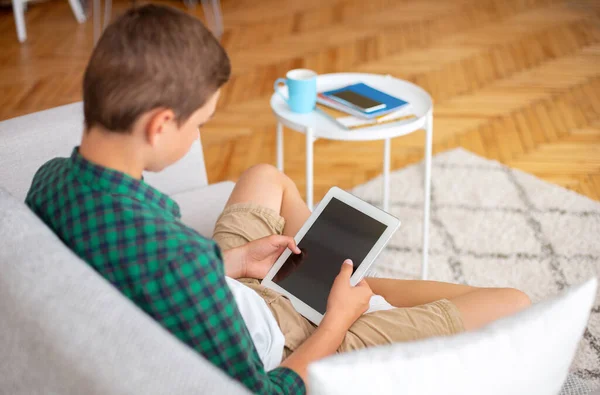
527, 353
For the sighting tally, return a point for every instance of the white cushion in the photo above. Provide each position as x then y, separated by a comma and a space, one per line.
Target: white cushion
201, 207
527, 353
29, 141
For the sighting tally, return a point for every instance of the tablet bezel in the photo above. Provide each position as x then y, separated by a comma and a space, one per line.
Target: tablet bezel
392, 223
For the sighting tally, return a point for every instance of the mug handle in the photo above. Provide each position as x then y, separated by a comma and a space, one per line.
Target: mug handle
276, 87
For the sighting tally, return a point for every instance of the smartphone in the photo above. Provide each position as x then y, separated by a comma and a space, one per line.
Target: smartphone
357, 100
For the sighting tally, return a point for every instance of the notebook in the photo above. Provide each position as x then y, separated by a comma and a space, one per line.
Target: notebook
351, 122
391, 103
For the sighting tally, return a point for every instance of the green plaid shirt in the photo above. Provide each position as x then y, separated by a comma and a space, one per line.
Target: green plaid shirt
132, 235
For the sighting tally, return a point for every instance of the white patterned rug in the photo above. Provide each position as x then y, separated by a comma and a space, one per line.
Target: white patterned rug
495, 226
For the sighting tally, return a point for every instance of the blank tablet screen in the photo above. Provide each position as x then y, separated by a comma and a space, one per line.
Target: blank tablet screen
341, 232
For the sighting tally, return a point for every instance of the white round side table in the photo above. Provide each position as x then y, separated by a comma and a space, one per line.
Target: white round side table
316, 125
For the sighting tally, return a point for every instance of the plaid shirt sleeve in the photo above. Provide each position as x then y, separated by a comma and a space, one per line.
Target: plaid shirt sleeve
188, 295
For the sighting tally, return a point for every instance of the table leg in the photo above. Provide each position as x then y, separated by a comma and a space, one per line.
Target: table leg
427, 187
280, 146
386, 174
309, 168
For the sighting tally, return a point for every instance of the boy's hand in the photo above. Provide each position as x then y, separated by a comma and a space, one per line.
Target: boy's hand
256, 258
345, 302
261, 254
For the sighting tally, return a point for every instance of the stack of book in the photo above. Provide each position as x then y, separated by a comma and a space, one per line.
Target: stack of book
360, 105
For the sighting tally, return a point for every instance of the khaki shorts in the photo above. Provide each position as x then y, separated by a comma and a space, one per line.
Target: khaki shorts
241, 223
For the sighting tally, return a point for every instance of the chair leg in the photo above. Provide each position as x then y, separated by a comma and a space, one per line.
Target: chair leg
97, 20
191, 4
212, 12
19, 12
219, 28
107, 13
77, 10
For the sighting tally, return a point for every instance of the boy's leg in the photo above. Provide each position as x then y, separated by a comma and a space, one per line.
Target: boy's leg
484, 305
477, 306
265, 202
408, 293
266, 186
466, 308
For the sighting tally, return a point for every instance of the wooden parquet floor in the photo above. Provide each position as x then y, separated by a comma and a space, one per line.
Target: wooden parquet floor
513, 80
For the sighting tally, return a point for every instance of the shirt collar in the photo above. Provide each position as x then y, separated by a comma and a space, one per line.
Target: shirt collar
116, 182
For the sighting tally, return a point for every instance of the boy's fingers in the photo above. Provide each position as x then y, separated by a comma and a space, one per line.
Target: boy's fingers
285, 241
279, 240
292, 246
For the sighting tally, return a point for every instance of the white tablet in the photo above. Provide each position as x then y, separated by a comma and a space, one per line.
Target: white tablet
341, 227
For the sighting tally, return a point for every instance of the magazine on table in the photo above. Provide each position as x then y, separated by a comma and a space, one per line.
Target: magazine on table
351, 122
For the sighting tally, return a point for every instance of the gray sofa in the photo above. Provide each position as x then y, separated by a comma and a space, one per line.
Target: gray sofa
63, 328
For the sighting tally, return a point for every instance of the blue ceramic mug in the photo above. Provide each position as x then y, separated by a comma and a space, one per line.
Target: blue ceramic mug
302, 90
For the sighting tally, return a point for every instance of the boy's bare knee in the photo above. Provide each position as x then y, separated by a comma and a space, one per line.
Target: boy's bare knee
262, 170
270, 172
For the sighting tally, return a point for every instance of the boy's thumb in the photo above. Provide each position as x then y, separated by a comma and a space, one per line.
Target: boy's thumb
347, 268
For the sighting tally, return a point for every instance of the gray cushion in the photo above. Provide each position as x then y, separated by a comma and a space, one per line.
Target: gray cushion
200, 208
65, 330
29, 141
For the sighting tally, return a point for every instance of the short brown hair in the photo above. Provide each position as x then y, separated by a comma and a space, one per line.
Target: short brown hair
151, 57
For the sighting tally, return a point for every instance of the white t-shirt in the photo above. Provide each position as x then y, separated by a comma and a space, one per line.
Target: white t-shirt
266, 335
